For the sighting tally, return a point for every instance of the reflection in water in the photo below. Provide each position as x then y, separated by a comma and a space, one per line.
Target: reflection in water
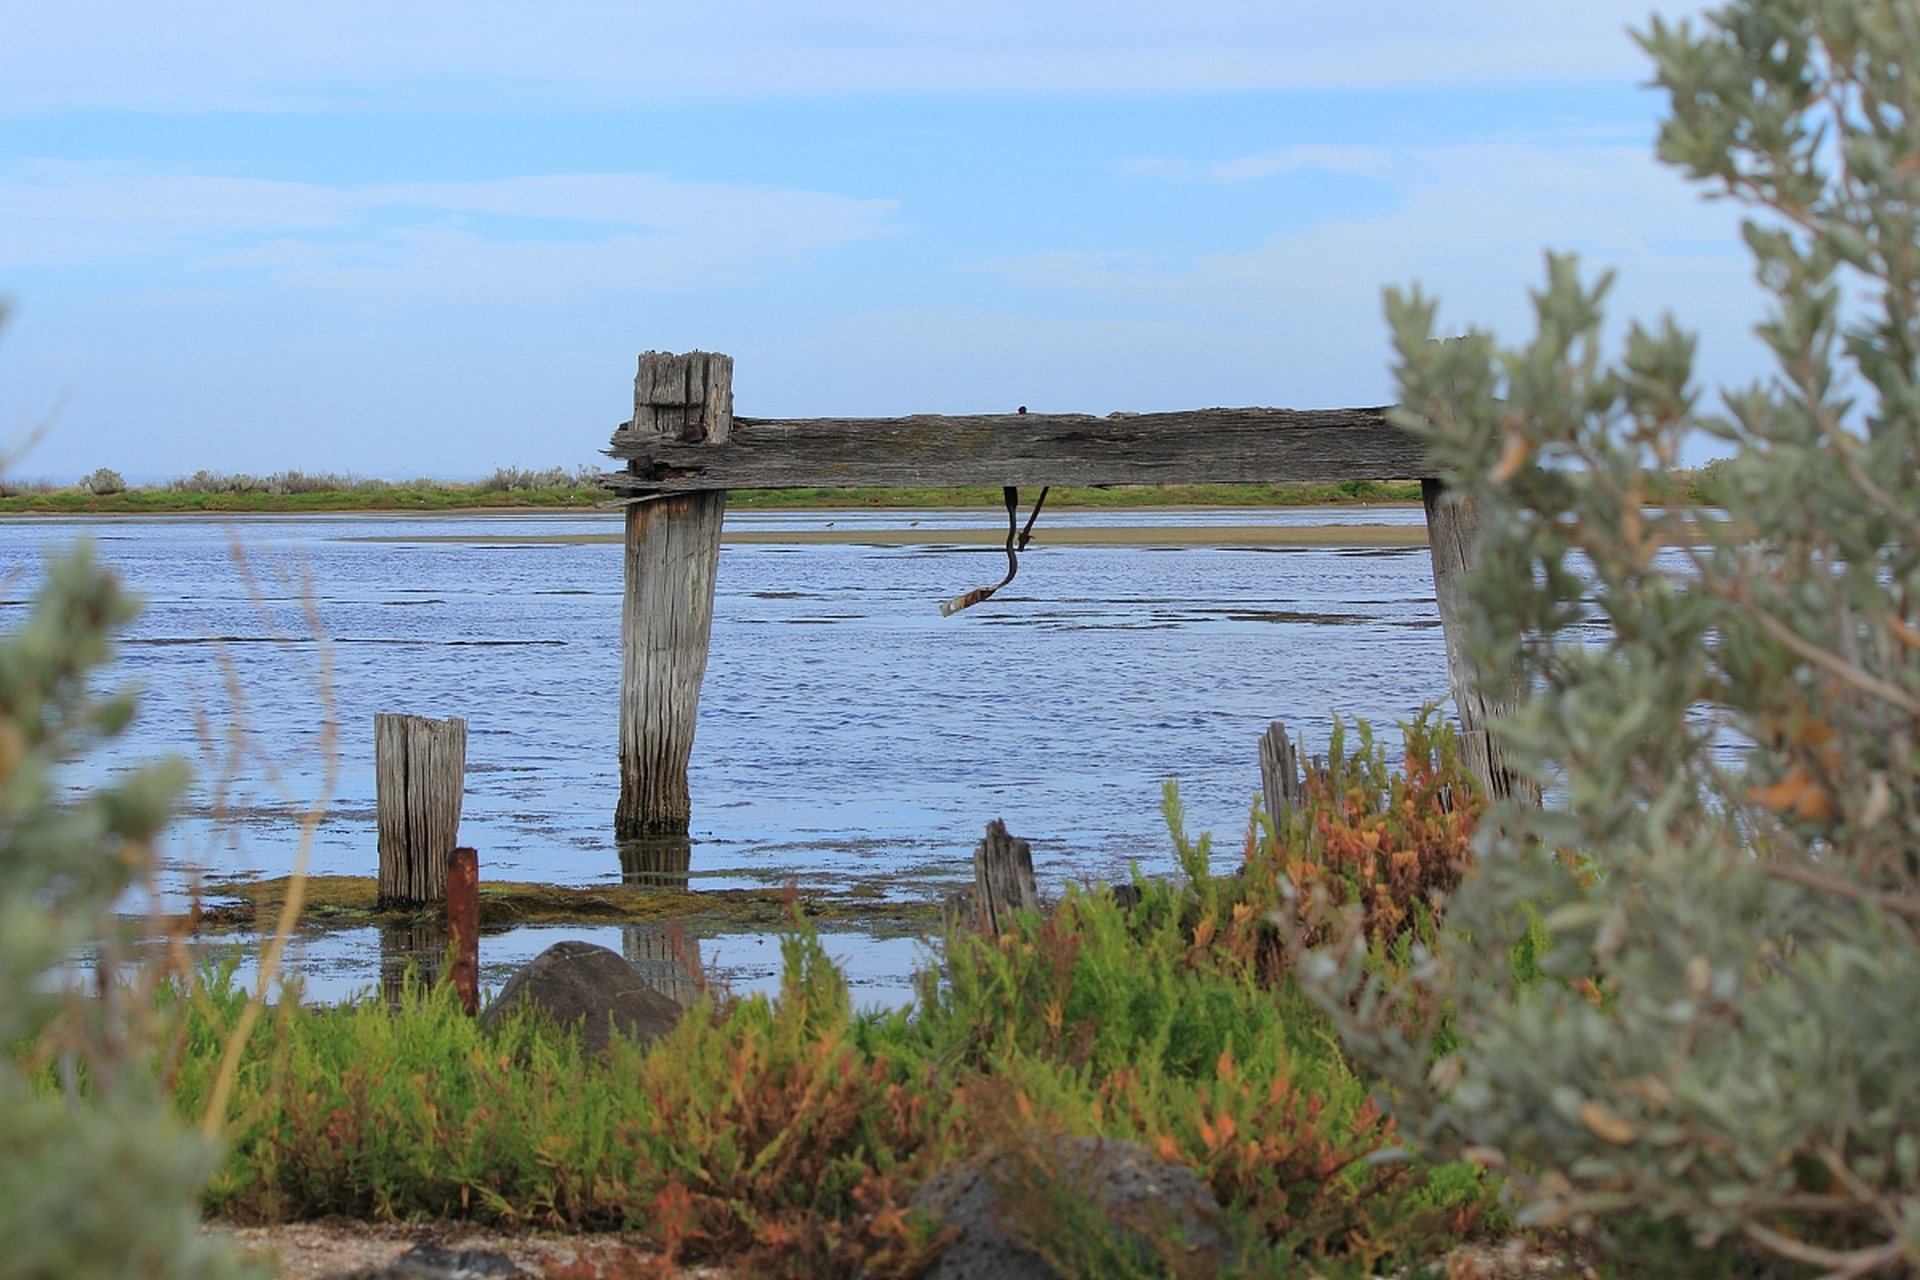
666, 956
422, 943
657, 861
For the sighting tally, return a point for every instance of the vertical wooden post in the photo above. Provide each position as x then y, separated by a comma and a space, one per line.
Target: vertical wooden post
1003, 878
420, 771
1452, 529
673, 553
463, 926
1279, 774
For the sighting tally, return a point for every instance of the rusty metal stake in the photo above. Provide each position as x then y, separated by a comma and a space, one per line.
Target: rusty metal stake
463, 926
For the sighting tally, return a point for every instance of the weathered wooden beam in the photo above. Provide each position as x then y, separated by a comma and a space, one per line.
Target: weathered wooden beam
1452, 531
673, 553
1203, 446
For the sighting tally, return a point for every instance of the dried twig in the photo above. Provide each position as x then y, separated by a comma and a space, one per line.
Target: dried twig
1905, 904
1840, 1266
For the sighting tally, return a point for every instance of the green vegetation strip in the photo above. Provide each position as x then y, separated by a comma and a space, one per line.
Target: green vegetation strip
248, 496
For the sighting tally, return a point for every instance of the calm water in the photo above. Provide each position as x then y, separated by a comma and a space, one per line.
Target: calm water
847, 731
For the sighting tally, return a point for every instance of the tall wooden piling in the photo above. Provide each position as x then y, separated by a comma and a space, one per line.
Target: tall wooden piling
420, 771
673, 553
1452, 529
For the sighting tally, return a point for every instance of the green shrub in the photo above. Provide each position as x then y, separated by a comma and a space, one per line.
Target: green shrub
1175, 1025
1719, 1022
789, 1133
755, 1130
509, 479
104, 481
97, 1178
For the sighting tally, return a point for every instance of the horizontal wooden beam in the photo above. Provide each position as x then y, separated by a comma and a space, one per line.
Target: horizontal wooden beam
1202, 446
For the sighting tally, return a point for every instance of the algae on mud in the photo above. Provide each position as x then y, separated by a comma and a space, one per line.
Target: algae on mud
343, 902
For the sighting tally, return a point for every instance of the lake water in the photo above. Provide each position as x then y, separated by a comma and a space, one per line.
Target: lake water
847, 731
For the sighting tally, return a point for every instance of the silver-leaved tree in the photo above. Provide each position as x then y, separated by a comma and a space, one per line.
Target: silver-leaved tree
97, 1176
1686, 989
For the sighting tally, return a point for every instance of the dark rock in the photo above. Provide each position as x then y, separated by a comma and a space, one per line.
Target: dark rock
428, 1262
1134, 1188
577, 982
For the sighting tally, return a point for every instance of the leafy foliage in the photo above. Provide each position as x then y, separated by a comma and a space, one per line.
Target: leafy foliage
756, 1130
103, 481
97, 1178
1720, 1022
788, 1133
1392, 843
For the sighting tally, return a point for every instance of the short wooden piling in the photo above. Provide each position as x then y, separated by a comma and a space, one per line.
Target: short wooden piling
673, 553
463, 926
420, 769
1280, 787
1003, 878
1452, 530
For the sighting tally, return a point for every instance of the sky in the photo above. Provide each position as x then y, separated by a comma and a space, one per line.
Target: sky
431, 238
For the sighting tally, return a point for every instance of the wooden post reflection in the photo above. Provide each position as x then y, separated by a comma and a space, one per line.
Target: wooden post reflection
666, 956
422, 942
661, 862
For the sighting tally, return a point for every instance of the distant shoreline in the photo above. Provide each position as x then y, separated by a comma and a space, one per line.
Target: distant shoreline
1193, 535
395, 500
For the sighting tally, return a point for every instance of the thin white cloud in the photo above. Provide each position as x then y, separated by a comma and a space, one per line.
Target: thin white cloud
1361, 161
527, 239
1469, 226
1464, 214
241, 54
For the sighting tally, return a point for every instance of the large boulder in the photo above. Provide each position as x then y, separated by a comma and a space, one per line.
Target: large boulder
1136, 1191
580, 983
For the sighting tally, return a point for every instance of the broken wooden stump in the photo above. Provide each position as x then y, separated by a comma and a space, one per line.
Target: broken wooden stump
463, 926
420, 771
1280, 787
1002, 879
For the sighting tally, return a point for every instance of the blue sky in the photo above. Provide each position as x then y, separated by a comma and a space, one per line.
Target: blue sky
431, 238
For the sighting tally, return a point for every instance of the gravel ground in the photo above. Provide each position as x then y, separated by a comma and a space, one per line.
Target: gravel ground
312, 1250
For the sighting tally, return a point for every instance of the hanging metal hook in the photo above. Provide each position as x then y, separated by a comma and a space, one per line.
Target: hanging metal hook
1017, 539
